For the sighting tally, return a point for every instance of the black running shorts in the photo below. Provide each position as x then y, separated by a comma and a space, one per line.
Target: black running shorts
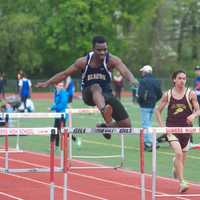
119, 112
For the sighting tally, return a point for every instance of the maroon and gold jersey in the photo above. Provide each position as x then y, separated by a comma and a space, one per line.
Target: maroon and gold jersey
178, 111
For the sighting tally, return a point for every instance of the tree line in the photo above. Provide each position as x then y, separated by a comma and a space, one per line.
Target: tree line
45, 36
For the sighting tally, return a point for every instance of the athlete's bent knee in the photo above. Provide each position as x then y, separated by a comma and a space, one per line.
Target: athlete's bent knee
124, 123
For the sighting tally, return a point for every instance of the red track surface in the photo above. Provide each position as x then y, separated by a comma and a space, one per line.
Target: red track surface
99, 184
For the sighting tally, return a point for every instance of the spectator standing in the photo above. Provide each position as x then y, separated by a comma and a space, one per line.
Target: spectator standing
134, 93
60, 105
70, 88
18, 77
197, 85
149, 92
25, 90
197, 92
2, 85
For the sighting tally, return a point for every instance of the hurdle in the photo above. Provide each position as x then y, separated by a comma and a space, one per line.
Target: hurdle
72, 111
35, 131
15, 116
167, 130
33, 115
113, 131
141, 131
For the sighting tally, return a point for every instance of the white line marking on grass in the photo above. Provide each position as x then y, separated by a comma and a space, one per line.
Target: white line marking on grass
10, 196
132, 148
90, 177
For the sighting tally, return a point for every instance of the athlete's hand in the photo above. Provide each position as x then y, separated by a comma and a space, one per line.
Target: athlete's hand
41, 84
190, 119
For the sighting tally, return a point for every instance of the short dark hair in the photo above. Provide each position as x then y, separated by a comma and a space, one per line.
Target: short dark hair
98, 39
174, 74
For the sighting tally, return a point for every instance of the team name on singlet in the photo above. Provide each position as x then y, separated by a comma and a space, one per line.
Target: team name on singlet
96, 76
178, 108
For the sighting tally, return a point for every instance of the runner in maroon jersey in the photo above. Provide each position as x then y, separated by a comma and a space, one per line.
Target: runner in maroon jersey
183, 108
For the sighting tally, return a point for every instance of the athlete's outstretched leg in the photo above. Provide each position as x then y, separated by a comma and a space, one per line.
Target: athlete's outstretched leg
99, 101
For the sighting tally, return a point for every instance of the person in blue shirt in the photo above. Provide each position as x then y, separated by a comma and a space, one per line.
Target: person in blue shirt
60, 105
70, 88
197, 91
197, 84
25, 90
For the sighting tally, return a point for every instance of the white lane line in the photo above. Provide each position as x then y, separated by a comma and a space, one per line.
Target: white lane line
10, 196
119, 169
59, 187
99, 179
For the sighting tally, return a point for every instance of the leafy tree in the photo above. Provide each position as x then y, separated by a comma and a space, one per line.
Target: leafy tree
18, 42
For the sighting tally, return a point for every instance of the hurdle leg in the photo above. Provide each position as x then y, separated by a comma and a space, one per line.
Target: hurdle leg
6, 145
61, 143
65, 164
61, 152
154, 166
122, 151
70, 135
6, 152
52, 154
17, 141
142, 177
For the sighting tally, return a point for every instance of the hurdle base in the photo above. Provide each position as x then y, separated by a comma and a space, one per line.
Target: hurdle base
98, 157
16, 170
11, 151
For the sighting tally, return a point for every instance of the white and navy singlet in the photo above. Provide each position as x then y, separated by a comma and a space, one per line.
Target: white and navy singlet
98, 75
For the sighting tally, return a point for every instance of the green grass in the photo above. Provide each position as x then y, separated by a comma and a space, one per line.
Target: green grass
97, 145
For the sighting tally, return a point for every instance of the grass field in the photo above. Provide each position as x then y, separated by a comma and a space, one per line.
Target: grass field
97, 145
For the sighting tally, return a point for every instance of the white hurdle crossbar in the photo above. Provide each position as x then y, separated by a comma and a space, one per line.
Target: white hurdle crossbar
32, 115
72, 111
24, 131
37, 131
131, 131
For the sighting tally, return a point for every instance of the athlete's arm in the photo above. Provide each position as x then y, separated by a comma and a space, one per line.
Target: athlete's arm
78, 65
195, 106
122, 68
159, 109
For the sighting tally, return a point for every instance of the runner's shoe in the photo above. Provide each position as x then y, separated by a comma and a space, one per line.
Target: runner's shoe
162, 139
107, 113
106, 135
74, 138
183, 186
